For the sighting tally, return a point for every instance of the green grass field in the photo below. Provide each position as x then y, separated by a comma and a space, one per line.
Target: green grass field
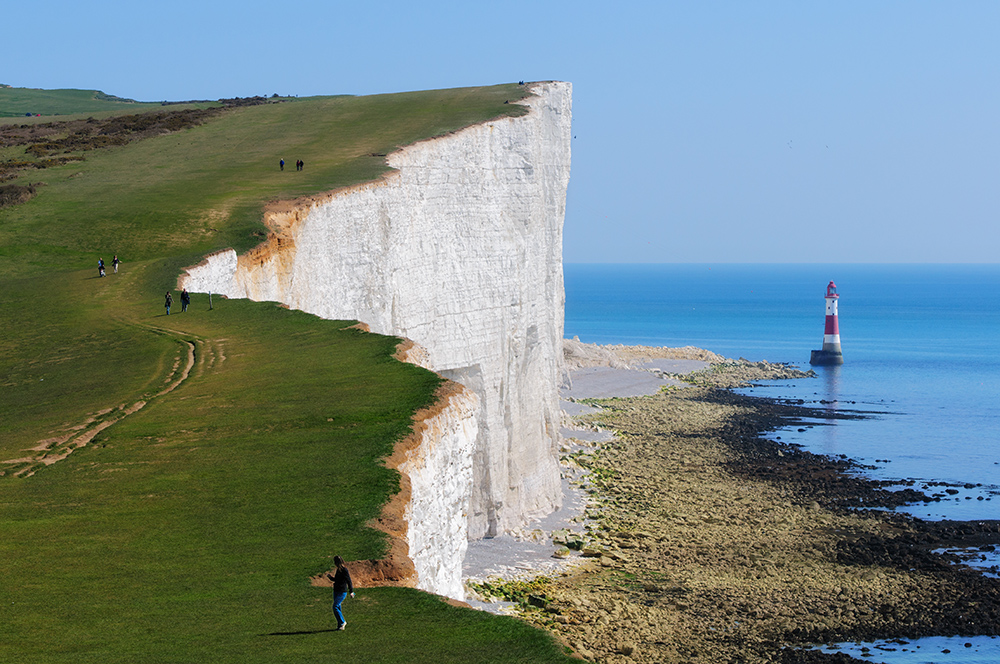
191, 509
15, 102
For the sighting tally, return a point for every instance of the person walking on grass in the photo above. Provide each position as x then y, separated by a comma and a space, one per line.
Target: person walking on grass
185, 300
115, 262
168, 300
341, 586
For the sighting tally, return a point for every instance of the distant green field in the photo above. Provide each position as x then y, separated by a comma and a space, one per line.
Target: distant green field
183, 525
16, 102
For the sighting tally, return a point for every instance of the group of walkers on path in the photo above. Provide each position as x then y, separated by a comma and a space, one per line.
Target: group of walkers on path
185, 301
299, 165
342, 583
100, 265
168, 300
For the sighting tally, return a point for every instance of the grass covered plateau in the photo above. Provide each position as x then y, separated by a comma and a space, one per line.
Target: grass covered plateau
169, 484
19, 102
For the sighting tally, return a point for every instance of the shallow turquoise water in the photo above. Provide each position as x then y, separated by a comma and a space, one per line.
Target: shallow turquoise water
930, 650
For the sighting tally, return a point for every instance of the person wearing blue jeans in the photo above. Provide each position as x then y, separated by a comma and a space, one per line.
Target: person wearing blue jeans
342, 585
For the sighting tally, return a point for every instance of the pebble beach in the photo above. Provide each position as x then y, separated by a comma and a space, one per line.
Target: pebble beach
707, 542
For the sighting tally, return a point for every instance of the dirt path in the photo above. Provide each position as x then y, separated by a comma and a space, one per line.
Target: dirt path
192, 354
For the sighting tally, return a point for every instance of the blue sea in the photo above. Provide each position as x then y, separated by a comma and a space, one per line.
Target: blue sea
921, 350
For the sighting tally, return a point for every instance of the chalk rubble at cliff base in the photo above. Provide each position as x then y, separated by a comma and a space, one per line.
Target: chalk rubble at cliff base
673, 366
719, 545
524, 553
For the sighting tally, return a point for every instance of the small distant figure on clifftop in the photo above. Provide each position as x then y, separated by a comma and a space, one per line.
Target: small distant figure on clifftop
115, 262
100, 267
299, 165
342, 585
281, 164
185, 300
167, 301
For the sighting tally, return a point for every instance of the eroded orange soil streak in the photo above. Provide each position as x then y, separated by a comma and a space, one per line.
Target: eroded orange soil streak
396, 568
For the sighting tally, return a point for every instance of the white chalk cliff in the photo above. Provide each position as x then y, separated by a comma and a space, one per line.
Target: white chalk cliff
440, 474
459, 250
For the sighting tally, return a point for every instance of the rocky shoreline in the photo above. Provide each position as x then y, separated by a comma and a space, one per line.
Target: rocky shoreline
710, 543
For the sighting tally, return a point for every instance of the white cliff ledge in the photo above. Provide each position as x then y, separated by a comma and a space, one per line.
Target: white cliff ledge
460, 250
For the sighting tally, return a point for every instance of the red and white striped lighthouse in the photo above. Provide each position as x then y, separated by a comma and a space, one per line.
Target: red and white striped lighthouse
831, 353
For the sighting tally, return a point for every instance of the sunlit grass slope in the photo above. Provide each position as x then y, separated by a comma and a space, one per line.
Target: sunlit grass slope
186, 530
15, 102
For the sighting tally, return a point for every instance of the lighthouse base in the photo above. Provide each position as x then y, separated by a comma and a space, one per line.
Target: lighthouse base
825, 358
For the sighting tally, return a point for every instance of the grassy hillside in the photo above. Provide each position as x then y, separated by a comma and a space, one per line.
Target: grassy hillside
15, 102
168, 484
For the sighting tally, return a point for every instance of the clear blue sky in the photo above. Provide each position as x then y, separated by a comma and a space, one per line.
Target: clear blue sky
705, 131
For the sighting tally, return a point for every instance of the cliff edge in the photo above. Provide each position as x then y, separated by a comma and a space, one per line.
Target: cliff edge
459, 250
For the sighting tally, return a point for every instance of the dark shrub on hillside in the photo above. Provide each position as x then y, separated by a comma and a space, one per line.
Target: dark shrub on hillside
49, 138
244, 101
14, 194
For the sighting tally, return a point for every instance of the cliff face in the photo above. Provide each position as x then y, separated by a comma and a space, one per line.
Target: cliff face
439, 469
459, 250
427, 521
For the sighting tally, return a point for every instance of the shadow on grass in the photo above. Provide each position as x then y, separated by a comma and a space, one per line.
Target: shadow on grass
313, 631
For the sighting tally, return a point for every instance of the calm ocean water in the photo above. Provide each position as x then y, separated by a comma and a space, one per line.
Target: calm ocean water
921, 357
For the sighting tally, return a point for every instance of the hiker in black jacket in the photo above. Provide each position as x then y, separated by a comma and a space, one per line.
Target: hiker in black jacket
342, 585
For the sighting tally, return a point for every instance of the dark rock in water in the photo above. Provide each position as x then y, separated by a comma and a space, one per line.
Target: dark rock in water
825, 358
538, 601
